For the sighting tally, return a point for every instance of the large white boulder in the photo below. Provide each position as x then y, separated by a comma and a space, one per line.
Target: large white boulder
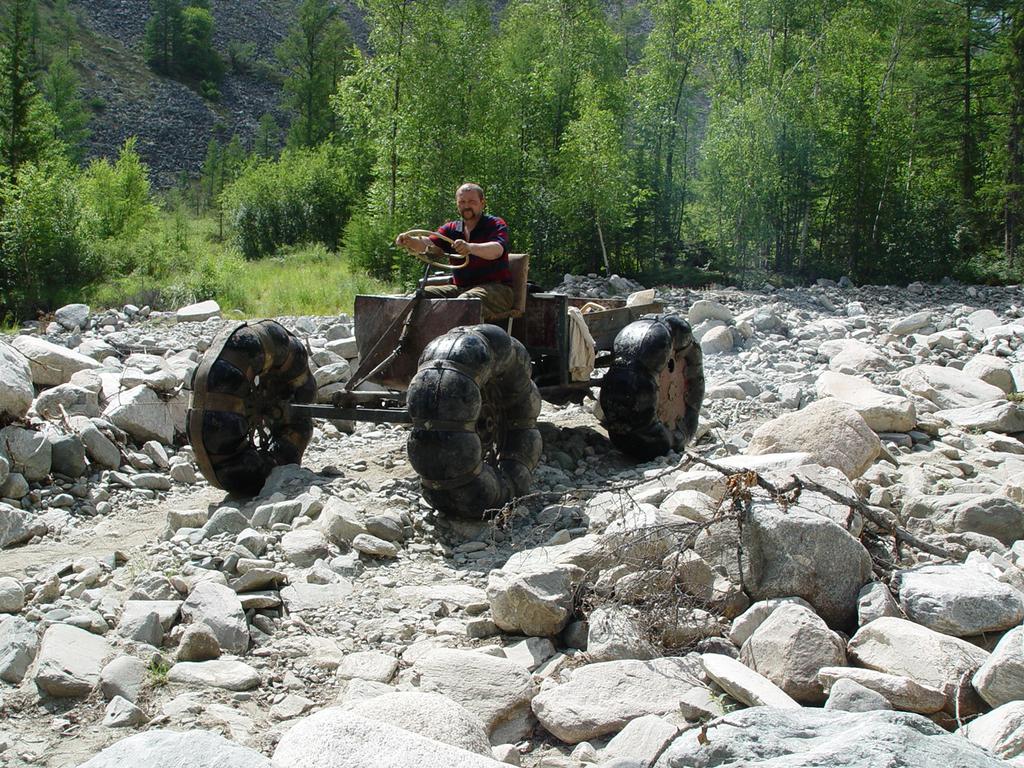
947, 387
744, 684
994, 416
28, 451
601, 698
16, 390
882, 412
993, 370
336, 738
177, 749
1001, 678
143, 414
959, 600
1000, 731
195, 313
537, 603
70, 661
900, 647
50, 363
901, 692
430, 715
219, 608
830, 430
496, 690
790, 647
852, 356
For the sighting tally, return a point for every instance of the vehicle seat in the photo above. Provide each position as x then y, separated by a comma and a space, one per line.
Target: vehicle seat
519, 266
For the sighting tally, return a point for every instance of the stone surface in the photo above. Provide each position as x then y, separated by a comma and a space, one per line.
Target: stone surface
1001, 678
70, 661
994, 416
430, 715
121, 713
601, 698
830, 430
938, 660
196, 313
959, 600
901, 692
335, 738
28, 451
124, 677
219, 608
141, 413
881, 411
538, 603
230, 674
177, 749
305, 546
1000, 731
495, 690
50, 363
947, 387
847, 695
18, 646
12, 595
789, 648
198, 643
17, 526
16, 392
766, 736
641, 741
800, 553
368, 665
744, 684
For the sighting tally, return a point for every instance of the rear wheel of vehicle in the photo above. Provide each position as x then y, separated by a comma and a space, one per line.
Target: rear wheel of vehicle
238, 421
474, 441
651, 395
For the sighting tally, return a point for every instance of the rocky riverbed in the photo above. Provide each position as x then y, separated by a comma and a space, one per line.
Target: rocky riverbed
833, 576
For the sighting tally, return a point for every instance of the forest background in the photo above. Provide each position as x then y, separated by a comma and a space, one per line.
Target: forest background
676, 141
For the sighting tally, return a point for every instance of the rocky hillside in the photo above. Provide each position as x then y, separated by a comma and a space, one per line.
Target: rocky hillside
834, 576
173, 123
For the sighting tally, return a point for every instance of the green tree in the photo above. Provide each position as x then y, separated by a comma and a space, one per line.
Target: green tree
268, 137
195, 56
313, 56
163, 35
115, 197
60, 87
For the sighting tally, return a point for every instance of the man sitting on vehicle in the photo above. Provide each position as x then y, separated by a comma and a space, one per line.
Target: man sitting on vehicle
481, 237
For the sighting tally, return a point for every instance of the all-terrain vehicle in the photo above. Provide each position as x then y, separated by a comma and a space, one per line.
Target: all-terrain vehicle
470, 390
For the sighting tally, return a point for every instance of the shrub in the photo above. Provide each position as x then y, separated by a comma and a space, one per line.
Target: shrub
115, 198
41, 250
305, 196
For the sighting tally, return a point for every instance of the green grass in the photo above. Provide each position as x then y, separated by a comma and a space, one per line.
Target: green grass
179, 259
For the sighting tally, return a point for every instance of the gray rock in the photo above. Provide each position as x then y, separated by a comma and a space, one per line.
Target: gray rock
121, 713
743, 683
67, 456
718, 340
994, 416
225, 520
12, 595
100, 449
1000, 731
495, 690
881, 411
174, 749
125, 676
706, 309
911, 323
136, 611
146, 629
67, 398
901, 647
641, 741
16, 525
374, 546
430, 715
959, 600
18, 646
777, 737
143, 414
375, 666
149, 585
73, 316
70, 661
336, 738
219, 608
799, 553
947, 387
290, 707
300, 597
1001, 678
198, 643
616, 632
197, 313
28, 451
875, 601
789, 648
51, 364
537, 603
16, 390
847, 695
830, 430
305, 546
901, 692
601, 698
229, 674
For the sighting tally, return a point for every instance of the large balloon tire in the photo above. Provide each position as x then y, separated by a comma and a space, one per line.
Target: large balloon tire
238, 422
474, 441
651, 395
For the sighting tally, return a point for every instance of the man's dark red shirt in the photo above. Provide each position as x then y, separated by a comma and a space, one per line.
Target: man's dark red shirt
478, 271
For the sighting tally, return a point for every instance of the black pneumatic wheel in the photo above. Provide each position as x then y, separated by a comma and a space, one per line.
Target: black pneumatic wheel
474, 408
238, 422
651, 396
